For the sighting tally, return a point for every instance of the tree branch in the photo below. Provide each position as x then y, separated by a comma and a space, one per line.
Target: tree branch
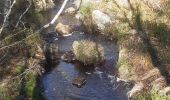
6, 17
40, 30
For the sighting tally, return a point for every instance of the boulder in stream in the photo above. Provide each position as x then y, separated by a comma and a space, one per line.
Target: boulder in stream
63, 29
79, 81
88, 52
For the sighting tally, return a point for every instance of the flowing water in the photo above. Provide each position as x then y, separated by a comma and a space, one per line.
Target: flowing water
101, 81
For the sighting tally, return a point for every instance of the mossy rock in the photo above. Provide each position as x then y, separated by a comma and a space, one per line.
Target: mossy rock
88, 52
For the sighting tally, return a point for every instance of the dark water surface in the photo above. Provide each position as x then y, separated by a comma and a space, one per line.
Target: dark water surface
101, 81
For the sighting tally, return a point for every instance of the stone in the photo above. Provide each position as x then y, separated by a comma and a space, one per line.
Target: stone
79, 16
165, 91
70, 10
68, 57
63, 29
42, 5
79, 82
88, 52
101, 19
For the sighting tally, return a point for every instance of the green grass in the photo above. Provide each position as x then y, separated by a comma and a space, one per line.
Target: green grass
125, 69
19, 69
30, 87
4, 95
151, 95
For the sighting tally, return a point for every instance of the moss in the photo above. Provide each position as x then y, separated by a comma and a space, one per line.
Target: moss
19, 69
30, 86
87, 51
125, 69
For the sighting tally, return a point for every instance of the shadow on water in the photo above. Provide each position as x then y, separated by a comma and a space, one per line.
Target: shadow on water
101, 81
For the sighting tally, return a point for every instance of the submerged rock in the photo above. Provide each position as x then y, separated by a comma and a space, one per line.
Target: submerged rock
68, 57
79, 81
88, 52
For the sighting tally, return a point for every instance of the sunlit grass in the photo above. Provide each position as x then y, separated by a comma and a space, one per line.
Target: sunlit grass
151, 95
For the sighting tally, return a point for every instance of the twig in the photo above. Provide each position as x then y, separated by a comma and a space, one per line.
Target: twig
11, 36
6, 17
19, 20
16, 43
20, 75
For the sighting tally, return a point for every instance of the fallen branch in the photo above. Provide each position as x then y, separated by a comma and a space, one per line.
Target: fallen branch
59, 12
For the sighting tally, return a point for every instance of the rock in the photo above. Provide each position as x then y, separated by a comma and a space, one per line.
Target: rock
101, 19
68, 57
79, 16
70, 10
79, 81
42, 5
88, 52
51, 52
165, 91
159, 83
63, 29
136, 90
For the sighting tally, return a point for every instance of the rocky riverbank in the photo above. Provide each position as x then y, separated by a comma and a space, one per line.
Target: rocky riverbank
137, 61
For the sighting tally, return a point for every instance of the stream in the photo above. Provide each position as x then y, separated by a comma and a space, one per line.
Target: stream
101, 80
